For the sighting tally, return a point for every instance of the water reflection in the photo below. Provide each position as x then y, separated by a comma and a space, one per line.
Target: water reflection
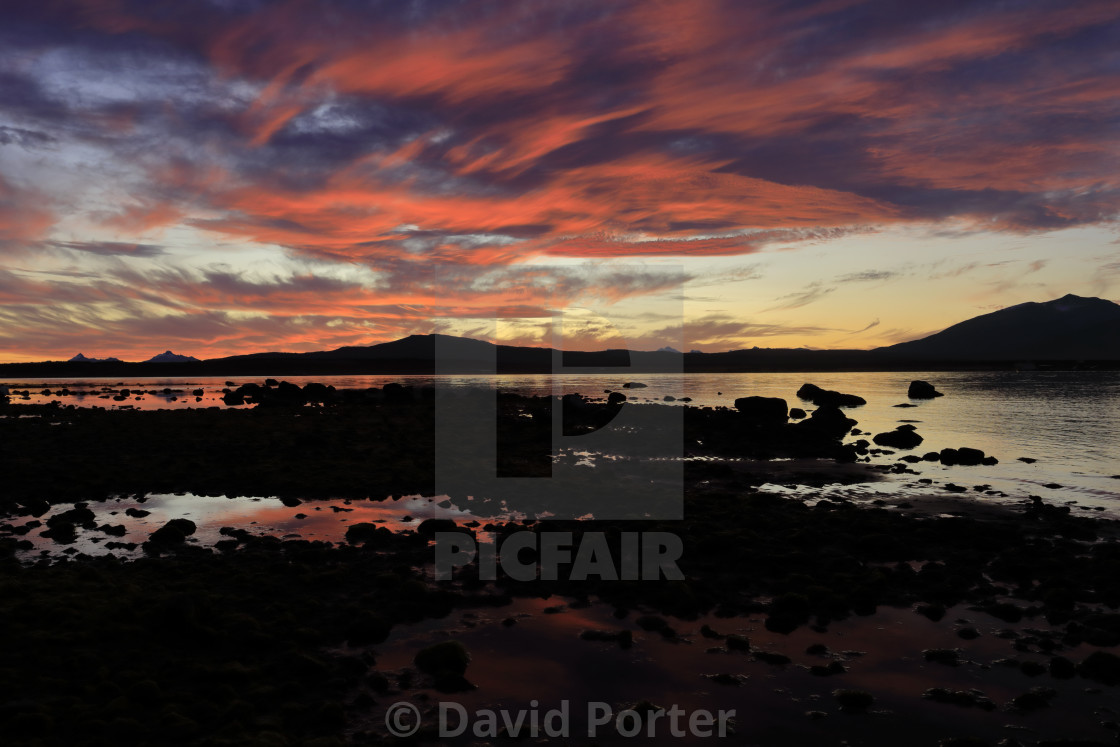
541, 657
319, 520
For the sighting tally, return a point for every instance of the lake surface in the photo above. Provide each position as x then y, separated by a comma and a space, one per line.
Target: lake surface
1068, 421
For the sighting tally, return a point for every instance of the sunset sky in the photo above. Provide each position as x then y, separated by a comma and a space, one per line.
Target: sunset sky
232, 176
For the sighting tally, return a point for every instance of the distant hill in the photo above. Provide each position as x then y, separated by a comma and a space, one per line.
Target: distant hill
79, 358
1067, 328
169, 357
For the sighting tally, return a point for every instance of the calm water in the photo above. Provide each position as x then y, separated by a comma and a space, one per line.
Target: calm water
1068, 421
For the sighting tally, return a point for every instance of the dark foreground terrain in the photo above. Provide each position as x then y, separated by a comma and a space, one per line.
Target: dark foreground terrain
263, 640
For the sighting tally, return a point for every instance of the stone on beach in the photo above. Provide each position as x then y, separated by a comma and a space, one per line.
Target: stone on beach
922, 390
827, 397
174, 532
763, 408
826, 421
900, 438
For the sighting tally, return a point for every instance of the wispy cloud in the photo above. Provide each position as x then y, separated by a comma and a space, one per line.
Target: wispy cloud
813, 292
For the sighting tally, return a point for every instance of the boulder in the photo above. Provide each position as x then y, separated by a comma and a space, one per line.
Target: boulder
616, 398
634, 385
80, 514
922, 390
429, 527
1101, 666
828, 422
363, 532
899, 438
763, 408
963, 456
796, 413
315, 392
821, 397
173, 532
447, 656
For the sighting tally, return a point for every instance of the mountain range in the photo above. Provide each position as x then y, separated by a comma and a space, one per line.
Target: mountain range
165, 357
1068, 331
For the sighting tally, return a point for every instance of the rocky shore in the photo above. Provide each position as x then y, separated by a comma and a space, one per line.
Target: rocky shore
276, 641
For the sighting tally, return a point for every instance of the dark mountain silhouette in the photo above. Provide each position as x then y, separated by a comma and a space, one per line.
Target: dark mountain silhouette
169, 357
1070, 332
419, 353
1067, 328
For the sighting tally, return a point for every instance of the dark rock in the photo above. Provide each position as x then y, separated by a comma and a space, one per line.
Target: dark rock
763, 408
1062, 668
774, 659
136, 513
900, 438
922, 390
429, 527
656, 624
707, 632
623, 638
447, 658
832, 668
616, 398
948, 656
963, 456
35, 507
853, 700
290, 502
796, 413
173, 532
634, 385
1038, 697
78, 515
822, 397
316, 392
958, 697
1100, 666
63, 533
826, 422
363, 532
